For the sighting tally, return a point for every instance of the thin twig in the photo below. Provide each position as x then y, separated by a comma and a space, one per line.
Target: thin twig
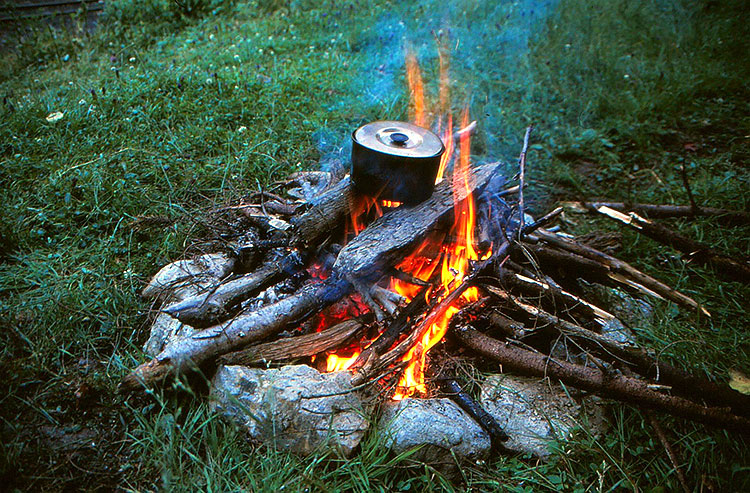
522, 177
673, 458
693, 206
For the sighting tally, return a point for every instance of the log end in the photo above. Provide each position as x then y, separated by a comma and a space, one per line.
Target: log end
146, 376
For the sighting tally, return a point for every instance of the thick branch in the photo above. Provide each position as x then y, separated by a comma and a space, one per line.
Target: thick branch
613, 386
726, 217
207, 309
295, 347
186, 352
622, 271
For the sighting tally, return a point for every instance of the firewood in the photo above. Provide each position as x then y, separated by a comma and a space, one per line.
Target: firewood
694, 250
635, 358
561, 299
209, 308
726, 217
391, 236
309, 228
622, 272
466, 402
610, 385
186, 353
295, 347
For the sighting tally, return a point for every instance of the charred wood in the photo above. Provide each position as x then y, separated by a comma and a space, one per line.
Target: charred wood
186, 353
295, 347
207, 309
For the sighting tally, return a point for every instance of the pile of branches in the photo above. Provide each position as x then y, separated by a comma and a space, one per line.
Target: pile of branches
530, 283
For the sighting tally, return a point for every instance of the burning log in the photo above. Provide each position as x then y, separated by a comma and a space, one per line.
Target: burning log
694, 250
390, 237
188, 352
610, 385
726, 217
295, 347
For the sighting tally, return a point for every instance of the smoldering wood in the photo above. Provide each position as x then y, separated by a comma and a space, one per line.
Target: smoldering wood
637, 359
312, 226
466, 402
295, 347
610, 385
213, 306
621, 271
393, 235
694, 251
185, 353
726, 217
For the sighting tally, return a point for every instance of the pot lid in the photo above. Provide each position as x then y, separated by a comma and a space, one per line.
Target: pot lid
399, 139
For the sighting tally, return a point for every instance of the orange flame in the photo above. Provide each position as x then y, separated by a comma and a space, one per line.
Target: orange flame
416, 88
454, 268
340, 363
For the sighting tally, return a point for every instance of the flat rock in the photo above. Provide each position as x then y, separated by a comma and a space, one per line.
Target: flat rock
183, 278
442, 430
535, 412
295, 407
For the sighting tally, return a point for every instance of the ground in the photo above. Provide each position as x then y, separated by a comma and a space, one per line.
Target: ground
169, 108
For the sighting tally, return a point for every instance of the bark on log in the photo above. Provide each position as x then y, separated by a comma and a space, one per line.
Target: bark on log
726, 217
295, 347
694, 250
622, 271
630, 390
188, 352
640, 361
320, 220
391, 236
207, 309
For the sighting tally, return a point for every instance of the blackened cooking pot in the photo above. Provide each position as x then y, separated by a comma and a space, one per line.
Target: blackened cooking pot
395, 161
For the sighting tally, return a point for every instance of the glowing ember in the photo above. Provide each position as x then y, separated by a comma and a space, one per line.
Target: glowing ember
390, 203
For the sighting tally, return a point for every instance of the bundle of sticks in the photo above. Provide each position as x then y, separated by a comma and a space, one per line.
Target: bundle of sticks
530, 288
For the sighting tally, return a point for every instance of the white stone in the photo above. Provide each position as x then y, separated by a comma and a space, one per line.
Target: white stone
295, 408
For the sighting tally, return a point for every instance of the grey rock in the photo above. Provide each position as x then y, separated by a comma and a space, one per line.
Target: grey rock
534, 413
444, 432
296, 408
633, 312
183, 278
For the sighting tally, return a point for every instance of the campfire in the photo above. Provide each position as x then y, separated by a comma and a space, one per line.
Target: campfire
418, 261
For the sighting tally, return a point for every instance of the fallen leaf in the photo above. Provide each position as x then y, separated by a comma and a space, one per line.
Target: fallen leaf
55, 117
739, 382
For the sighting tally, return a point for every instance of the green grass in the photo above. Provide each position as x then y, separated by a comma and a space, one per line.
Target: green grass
621, 94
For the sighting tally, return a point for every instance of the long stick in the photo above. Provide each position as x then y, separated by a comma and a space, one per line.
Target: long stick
726, 217
694, 250
613, 386
522, 178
